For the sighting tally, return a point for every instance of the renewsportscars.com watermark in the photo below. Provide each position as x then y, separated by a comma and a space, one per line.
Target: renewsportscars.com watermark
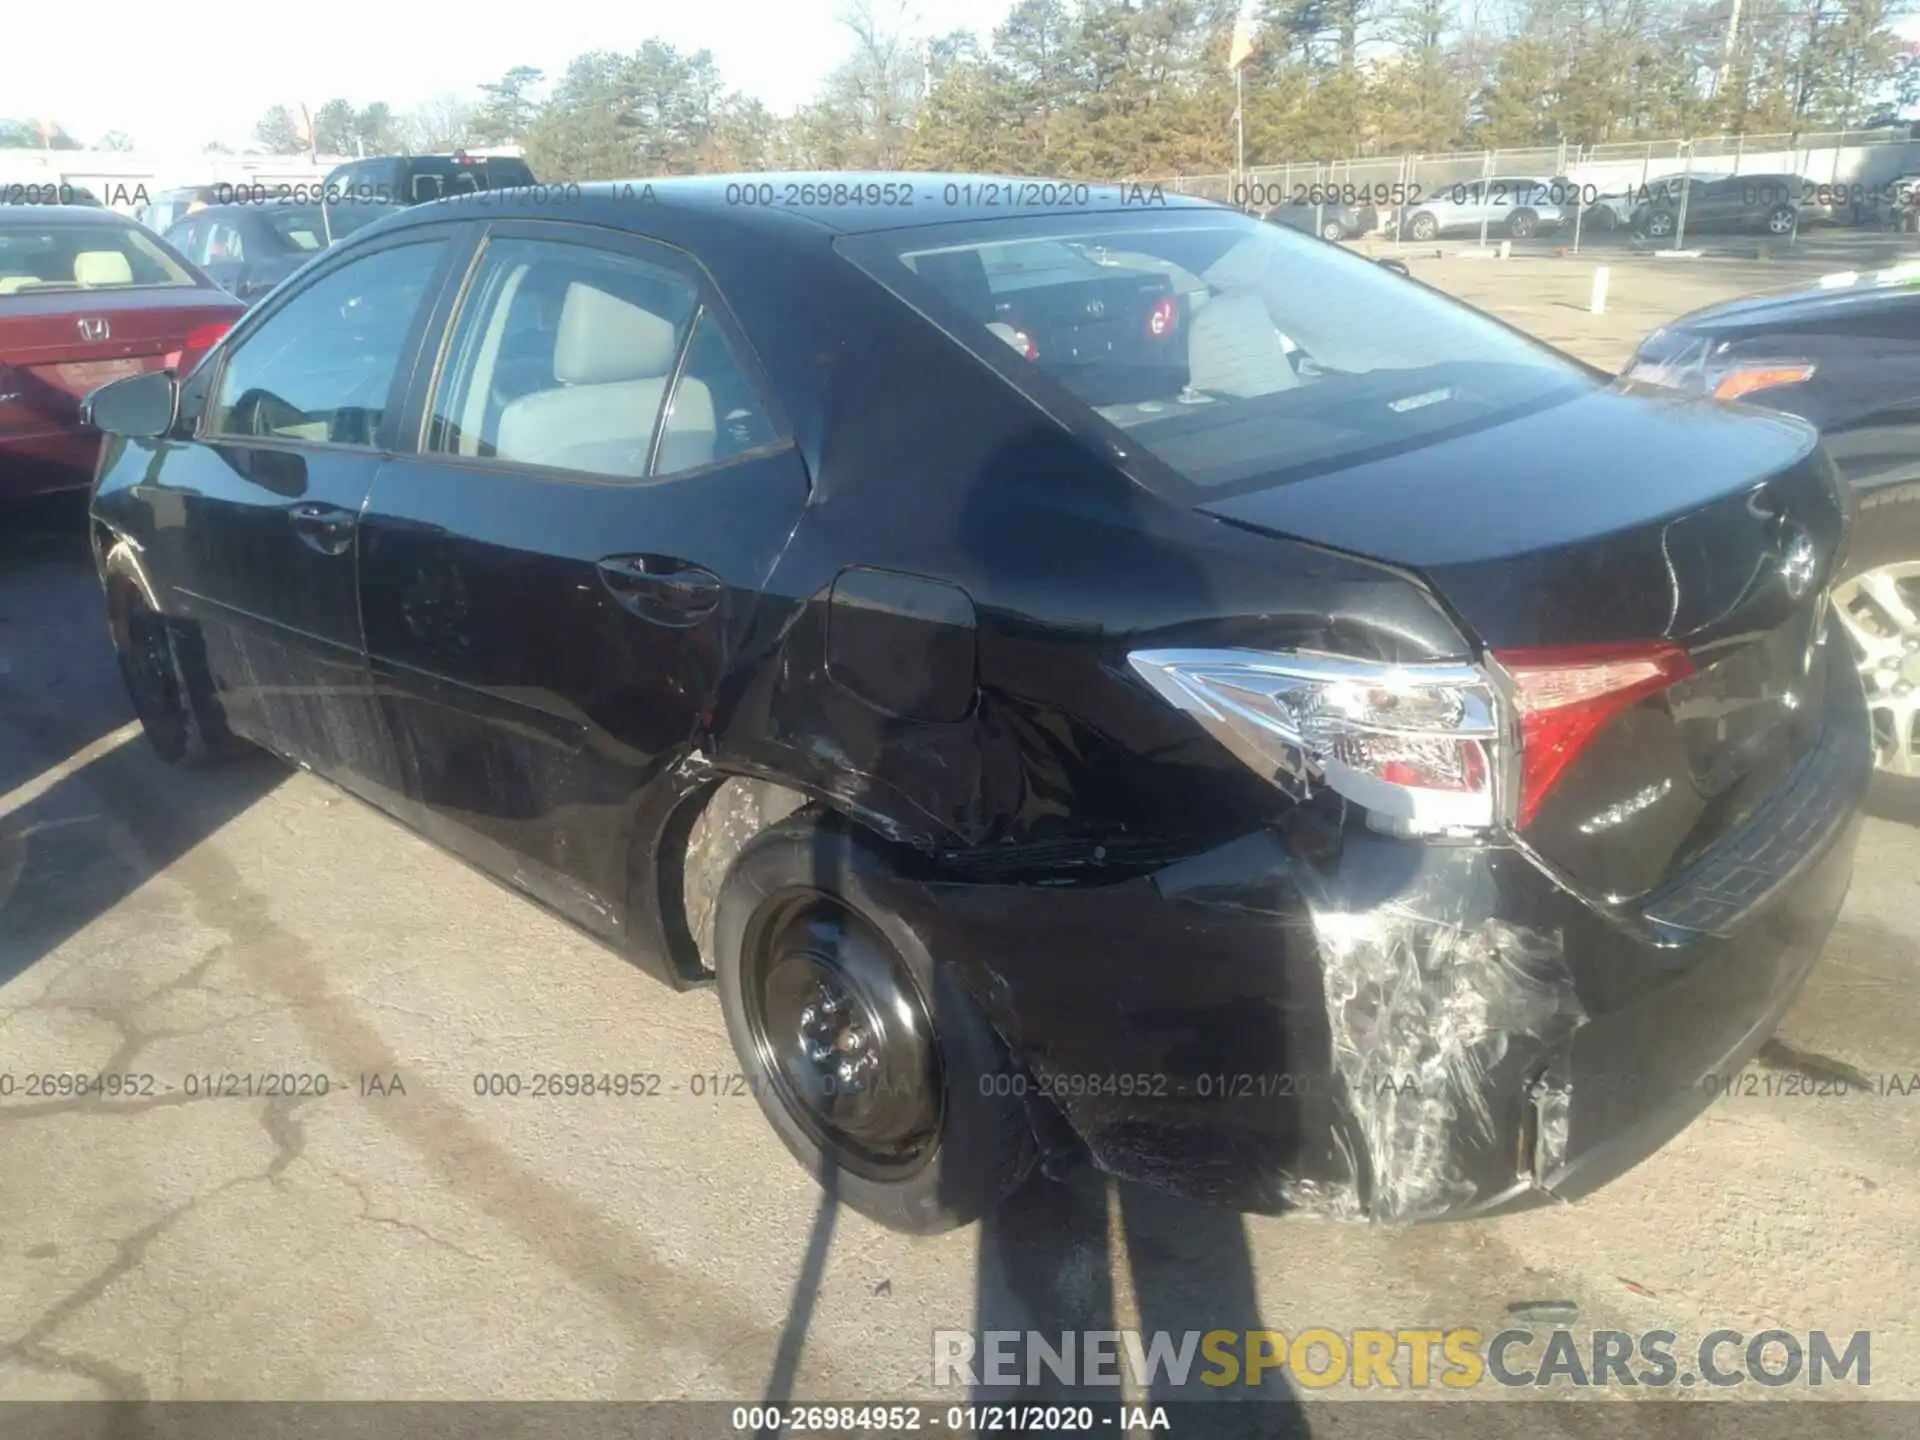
1454, 1359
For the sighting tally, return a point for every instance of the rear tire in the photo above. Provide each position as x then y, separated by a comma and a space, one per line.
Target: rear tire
1883, 629
868, 1058
1521, 224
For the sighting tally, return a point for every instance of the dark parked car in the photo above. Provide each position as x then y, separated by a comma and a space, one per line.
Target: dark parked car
168, 208
1847, 357
1614, 208
416, 179
1770, 204
248, 249
1116, 676
86, 297
1333, 221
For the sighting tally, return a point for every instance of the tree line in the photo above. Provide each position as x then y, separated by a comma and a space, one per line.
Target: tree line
1101, 89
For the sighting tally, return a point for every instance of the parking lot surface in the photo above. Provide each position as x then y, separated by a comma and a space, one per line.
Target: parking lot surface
406, 1236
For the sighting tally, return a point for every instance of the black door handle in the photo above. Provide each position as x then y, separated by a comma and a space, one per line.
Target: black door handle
662, 589
326, 528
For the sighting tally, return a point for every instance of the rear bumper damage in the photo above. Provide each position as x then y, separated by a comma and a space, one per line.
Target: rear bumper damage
1401, 1031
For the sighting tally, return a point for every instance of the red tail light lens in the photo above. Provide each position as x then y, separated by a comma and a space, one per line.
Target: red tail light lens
1568, 695
199, 341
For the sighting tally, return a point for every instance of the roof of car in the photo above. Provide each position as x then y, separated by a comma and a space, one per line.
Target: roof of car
937, 199
83, 214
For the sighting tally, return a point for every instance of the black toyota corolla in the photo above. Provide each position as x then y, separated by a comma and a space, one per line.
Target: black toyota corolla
1106, 677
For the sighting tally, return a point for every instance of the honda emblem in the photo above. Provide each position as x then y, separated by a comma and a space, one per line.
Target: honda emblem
92, 329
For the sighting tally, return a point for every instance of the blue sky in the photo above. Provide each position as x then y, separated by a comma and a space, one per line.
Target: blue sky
179, 79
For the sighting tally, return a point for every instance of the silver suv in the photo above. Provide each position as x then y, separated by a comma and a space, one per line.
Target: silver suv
1512, 207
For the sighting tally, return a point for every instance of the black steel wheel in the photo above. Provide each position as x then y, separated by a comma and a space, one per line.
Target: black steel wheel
145, 653
842, 1034
869, 1059
158, 662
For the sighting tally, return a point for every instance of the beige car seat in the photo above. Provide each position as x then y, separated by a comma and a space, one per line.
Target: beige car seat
613, 361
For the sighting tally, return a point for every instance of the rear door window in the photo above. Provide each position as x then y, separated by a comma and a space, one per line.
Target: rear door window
190, 239
563, 357
226, 241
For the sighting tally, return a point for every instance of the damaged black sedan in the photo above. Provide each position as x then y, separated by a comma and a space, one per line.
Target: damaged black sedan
1112, 679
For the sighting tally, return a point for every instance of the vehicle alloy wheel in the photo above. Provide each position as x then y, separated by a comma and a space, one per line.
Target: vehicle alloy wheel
1333, 231
1521, 224
1423, 226
1880, 608
1781, 221
843, 1035
1659, 225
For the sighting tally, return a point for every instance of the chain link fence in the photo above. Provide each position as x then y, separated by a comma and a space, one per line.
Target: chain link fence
1847, 176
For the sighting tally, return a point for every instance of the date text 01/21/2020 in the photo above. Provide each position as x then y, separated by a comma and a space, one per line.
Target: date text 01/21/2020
197, 1085
961, 1419
1023, 195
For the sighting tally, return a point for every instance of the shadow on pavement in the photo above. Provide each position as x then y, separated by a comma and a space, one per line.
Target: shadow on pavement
61, 863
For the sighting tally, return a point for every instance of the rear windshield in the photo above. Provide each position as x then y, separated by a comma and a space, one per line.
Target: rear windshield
431, 177
1230, 349
35, 259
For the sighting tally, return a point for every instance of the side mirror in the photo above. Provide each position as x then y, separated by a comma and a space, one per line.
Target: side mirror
142, 407
1399, 267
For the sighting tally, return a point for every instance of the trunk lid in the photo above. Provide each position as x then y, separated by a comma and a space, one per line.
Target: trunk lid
57, 347
1618, 519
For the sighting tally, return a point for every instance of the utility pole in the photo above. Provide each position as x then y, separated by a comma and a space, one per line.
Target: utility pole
1726, 57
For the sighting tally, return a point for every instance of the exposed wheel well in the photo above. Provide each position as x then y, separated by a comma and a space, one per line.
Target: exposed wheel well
699, 844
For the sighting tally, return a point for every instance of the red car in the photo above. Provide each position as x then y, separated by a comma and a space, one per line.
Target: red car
86, 297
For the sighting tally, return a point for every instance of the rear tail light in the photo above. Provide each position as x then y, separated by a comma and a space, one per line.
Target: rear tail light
1413, 744
1419, 747
1566, 695
1700, 367
1748, 378
193, 349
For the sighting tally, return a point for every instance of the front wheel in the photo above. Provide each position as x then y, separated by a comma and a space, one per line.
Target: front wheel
1334, 231
1658, 225
1423, 227
173, 711
1877, 601
1781, 220
1522, 224
869, 1059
